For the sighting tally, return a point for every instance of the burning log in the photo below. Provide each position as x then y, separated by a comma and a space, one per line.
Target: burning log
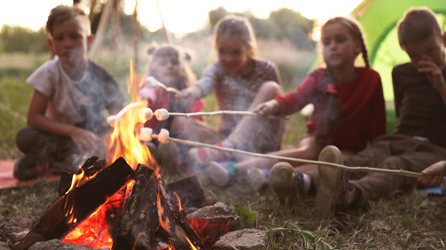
151, 219
85, 199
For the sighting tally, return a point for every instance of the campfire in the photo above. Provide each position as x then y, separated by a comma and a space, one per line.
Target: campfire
121, 202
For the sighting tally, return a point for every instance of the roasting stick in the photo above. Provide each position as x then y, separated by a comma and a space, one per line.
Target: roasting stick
329, 164
163, 137
151, 83
163, 114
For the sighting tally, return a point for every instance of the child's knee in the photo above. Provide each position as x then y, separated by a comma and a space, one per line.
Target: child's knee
270, 89
26, 138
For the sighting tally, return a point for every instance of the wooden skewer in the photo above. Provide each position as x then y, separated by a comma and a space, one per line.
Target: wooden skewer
329, 164
222, 112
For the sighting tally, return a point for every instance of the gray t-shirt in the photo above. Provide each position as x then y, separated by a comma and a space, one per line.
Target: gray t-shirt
236, 92
80, 103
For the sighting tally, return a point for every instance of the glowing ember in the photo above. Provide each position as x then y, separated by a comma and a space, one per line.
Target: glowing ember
93, 231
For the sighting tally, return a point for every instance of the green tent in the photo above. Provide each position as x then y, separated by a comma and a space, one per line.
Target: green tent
378, 19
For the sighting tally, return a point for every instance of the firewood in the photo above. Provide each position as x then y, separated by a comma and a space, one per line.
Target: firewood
85, 199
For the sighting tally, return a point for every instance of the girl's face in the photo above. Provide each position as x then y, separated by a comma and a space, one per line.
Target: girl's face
233, 54
339, 47
167, 70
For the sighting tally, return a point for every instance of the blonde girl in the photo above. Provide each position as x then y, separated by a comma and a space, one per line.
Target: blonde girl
240, 81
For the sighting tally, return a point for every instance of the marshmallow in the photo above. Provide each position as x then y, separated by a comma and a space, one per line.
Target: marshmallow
145, 134
161, 114
163, 136
145, 114
151, 82
112, 120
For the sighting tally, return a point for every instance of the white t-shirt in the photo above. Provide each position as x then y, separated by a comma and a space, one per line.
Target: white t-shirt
80, 103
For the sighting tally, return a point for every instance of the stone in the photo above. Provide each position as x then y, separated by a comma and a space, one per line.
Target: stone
246, 239
57, 245
212, 222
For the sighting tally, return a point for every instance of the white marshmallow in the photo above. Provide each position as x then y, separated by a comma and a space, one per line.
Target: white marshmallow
145, 114
161, 114
151, 82
111, 120
163, 136
145, 134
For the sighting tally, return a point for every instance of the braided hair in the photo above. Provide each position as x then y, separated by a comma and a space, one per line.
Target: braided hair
330, 122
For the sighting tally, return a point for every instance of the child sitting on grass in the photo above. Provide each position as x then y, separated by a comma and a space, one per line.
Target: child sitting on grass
419, 139
349, 110
65, 117
169, 66
241, 81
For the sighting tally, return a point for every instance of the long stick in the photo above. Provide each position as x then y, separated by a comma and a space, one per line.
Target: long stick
329, 164
221, 112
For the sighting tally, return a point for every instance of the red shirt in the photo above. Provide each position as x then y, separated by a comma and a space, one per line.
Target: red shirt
362, 107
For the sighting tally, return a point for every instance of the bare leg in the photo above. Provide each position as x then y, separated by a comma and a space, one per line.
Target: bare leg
307, 148
259, 134
193, 130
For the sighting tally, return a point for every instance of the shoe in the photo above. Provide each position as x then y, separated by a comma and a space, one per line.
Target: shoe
334, 184
169, 158
258, 178
220, 173
287, 183
28, 168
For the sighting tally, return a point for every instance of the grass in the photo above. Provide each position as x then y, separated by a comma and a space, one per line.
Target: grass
405, 221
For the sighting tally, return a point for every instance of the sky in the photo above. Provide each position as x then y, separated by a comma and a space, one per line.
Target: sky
180, 16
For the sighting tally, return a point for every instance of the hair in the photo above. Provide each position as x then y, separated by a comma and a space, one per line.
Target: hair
62, 13
172, 50
355, 30
238, 28
331, 120
418, 24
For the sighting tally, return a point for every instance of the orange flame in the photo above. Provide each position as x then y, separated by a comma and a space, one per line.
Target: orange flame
179, 201
93, 231
124, 141
190, 243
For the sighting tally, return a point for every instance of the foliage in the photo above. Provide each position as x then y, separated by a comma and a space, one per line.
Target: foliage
248, 217
20, 39
282, 24
295, 235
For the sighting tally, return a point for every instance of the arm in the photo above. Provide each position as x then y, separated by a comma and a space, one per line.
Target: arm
378, 112
36, 118
437, 171
434, 76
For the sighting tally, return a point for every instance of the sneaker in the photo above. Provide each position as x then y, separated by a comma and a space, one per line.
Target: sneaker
258, 178
287, 183
334, 184
28, 168
220, 173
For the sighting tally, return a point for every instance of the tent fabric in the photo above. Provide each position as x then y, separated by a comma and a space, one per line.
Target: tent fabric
378, 19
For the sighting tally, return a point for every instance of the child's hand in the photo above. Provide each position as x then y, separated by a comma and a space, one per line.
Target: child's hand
437, 171
433, 73
87, 142
267, 108
189, 95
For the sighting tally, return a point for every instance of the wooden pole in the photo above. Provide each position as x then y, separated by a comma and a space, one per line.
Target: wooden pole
99, 36
164, 26
136, 37
92, 6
